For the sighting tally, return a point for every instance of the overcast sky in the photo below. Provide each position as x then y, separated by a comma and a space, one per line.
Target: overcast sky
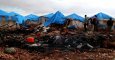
41, 7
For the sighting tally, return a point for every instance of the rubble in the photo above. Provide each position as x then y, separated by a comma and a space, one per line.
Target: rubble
57, 45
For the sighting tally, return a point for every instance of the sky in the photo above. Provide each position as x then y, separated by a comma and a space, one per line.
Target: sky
42, 7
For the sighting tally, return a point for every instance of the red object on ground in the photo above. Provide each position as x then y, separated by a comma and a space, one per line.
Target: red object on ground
30, 40
38, 35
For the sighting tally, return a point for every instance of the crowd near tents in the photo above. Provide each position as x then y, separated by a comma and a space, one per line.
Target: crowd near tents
49, 19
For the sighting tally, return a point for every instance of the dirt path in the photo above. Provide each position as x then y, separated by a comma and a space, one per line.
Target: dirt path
98, 54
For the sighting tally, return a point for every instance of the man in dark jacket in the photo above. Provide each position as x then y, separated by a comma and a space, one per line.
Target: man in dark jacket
95, 22
109, 24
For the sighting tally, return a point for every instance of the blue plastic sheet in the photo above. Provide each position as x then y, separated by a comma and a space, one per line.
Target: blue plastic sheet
16, 17
102, 16
32, 17
57, 18
49, 15
76, 17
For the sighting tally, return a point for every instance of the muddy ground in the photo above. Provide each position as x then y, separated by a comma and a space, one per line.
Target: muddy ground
96, 54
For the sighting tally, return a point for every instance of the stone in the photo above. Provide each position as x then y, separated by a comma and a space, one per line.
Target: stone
10, 50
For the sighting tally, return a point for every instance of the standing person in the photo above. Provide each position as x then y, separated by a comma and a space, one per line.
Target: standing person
86, 26
86, 18
95, 22
90, 24
86, 23
109, 24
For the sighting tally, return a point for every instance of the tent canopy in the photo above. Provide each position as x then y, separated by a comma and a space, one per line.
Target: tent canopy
3, 13
57, 18
32, 17
102, 16
75, 17
16, 17
49, 15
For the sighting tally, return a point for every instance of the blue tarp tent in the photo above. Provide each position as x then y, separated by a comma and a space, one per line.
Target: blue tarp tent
5, 14
57, 18
32, 17
102, 16
75, 17
16, 17
49, 15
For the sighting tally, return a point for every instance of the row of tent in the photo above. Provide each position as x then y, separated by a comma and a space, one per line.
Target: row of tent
57, 18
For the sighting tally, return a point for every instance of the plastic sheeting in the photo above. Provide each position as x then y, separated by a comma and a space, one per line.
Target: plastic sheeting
102, 16
57, 18
76, 17
49, 15
32, 17
3, 13
16, 17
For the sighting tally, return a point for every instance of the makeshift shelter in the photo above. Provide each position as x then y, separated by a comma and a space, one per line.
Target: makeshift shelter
75, 20
102, 17
3, 17
3, 23
5, 14
57, 18
49, 15
32, 19
76, 17
15, 19
43, 19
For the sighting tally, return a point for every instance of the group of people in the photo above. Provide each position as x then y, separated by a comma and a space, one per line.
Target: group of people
94, 22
